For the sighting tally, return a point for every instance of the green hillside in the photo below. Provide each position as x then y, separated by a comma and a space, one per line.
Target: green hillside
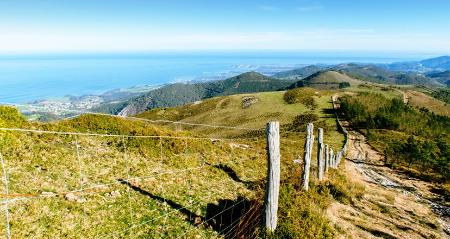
442, 77
179, 94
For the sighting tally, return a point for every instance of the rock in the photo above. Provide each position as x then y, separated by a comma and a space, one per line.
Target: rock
240, 146
114, 194
74, 198
248, 101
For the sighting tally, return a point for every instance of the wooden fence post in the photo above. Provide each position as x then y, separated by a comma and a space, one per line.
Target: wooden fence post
273, 175
327, 157
331, 158
339, 157
308, 152
320, 162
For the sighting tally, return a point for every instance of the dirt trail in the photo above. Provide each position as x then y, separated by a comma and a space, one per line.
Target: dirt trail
394, 205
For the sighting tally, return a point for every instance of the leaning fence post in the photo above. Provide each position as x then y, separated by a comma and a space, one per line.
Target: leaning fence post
320, 162
308, 152
273, 175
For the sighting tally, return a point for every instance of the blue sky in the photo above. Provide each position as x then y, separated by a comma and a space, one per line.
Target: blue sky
157, 25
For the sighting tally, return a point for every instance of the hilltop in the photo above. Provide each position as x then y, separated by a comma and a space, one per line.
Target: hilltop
300, 73
179, 94
326, 80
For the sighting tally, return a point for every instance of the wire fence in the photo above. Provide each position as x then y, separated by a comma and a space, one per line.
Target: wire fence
101, 185
64, 184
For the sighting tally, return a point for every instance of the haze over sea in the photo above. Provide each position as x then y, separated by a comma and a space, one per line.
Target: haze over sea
26, 78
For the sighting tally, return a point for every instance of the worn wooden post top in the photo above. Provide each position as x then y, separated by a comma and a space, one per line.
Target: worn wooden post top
273, 176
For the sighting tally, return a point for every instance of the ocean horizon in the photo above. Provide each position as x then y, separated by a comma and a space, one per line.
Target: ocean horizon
29, 77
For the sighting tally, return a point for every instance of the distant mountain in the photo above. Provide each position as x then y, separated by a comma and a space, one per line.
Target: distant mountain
441, 63
180, 93
300, 73
442, 77
325, 80
378, 74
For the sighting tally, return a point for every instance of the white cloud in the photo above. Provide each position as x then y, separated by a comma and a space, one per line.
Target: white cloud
319, 39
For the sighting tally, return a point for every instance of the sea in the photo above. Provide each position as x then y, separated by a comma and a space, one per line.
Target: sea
26, 78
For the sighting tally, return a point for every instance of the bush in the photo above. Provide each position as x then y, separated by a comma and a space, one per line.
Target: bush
304, 96
10, 117
343, 85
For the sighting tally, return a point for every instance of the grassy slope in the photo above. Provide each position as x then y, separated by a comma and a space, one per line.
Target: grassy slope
38, 164
45, 163
228, 111
419, 99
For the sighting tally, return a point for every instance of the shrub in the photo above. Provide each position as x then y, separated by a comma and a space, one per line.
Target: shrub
10, 117
343, 85
304, 96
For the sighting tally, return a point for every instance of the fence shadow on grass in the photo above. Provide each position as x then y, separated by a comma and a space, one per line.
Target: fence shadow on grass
239, 218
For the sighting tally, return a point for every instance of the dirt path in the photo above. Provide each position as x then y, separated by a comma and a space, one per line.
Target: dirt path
394, 205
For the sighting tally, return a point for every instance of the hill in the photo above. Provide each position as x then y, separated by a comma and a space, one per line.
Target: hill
326, 80
442, 62
242, 110
381, 75
442, 77
300, 73
179, 94
367, 72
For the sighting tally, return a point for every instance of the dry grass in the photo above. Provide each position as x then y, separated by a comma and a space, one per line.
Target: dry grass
420, 100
